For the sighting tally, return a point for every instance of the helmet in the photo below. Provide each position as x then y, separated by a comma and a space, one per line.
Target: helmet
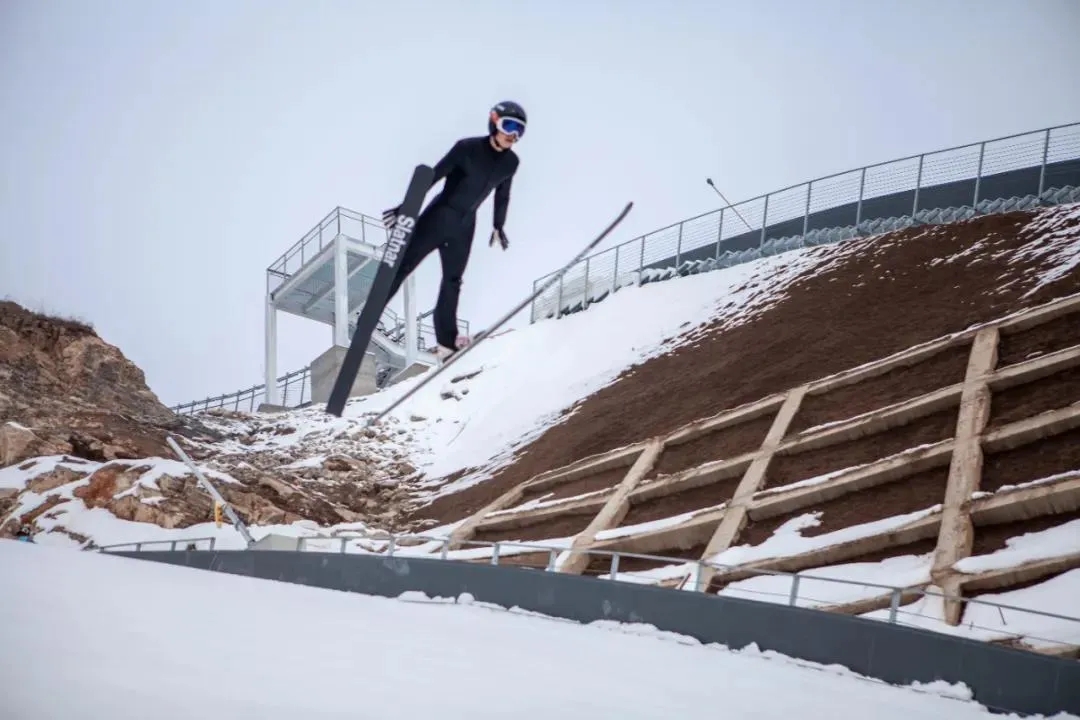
507, 110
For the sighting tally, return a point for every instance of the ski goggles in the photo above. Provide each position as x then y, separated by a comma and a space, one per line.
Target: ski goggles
510, 126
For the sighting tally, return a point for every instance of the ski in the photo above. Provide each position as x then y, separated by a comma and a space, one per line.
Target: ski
397, 240
505, 318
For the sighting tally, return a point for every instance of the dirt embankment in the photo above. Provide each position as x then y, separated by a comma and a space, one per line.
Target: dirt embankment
875, 297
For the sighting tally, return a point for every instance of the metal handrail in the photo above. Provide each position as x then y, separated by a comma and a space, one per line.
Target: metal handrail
766, 219
393, 542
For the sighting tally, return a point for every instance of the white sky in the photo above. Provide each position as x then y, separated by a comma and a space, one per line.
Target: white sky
156, 156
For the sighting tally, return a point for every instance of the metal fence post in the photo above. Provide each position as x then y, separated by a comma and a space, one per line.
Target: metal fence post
614, 565
585, 289
894, 604
918, 186
794, 596
1042, 169
978, 176
641, 263
615, 272
678, 247
764, 220
719, 233
806, 212
858, 207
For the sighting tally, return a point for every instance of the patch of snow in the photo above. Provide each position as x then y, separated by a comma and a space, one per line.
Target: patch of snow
1030, 547
787, 540
158, 646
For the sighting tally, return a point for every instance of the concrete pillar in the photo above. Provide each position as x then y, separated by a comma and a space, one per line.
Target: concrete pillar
341, 292
270, 363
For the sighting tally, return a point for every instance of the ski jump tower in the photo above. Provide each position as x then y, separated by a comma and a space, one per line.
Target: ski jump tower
327, 276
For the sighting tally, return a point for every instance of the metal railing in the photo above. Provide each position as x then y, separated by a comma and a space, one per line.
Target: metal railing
899, 596
295, 387
295, 392
1014, 172
337, 222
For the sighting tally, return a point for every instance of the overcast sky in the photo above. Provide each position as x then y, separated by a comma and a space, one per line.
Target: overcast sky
157, 156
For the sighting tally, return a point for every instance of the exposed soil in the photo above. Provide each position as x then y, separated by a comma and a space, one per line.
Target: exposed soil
722, 444
572, 488
1024, 401
1044, 339
1034, 461
938, 371
906, 495
601, 564
887, 294
658, 508
991, 538
786, 469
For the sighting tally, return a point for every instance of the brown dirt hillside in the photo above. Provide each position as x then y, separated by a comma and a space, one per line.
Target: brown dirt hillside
872, 297
75, 393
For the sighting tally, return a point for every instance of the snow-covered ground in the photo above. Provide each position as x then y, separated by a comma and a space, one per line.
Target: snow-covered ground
185, 643
517, 384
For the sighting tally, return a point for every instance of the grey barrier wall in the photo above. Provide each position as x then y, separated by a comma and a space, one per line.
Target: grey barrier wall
1003, 679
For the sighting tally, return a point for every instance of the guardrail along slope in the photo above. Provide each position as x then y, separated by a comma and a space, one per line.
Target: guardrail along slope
797, 442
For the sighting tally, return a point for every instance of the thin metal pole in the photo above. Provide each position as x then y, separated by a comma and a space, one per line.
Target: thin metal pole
719, 233
978, 176
764, 221
806, 213
918, 186
1042, 169
858, 208
237, 522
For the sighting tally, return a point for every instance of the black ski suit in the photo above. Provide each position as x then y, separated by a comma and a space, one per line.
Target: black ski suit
472, 169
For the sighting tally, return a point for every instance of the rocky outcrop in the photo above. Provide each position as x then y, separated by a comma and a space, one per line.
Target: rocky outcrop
76, 393
80, 430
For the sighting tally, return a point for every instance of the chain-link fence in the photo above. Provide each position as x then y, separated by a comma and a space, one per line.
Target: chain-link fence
1011, 173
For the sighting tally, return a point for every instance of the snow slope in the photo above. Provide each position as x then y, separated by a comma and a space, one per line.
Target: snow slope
184, 643
518, 384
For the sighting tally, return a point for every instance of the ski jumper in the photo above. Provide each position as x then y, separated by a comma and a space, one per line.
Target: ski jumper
472, 169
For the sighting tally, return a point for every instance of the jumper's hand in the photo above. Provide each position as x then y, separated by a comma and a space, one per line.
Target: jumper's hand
389, 217
497, 235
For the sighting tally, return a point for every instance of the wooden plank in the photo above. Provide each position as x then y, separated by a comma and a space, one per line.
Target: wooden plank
778, 501
735, 518
921, 529
873, 422
904, 358
1035, 369
726, 418
1032, 429
956, 534
1040, 314
467, 529
1021, 574
1025, 503
586, 466
704, 474
509, 521
613, 511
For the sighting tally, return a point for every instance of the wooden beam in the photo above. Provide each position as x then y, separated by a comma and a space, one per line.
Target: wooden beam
613, 511
956, 534
735, 518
